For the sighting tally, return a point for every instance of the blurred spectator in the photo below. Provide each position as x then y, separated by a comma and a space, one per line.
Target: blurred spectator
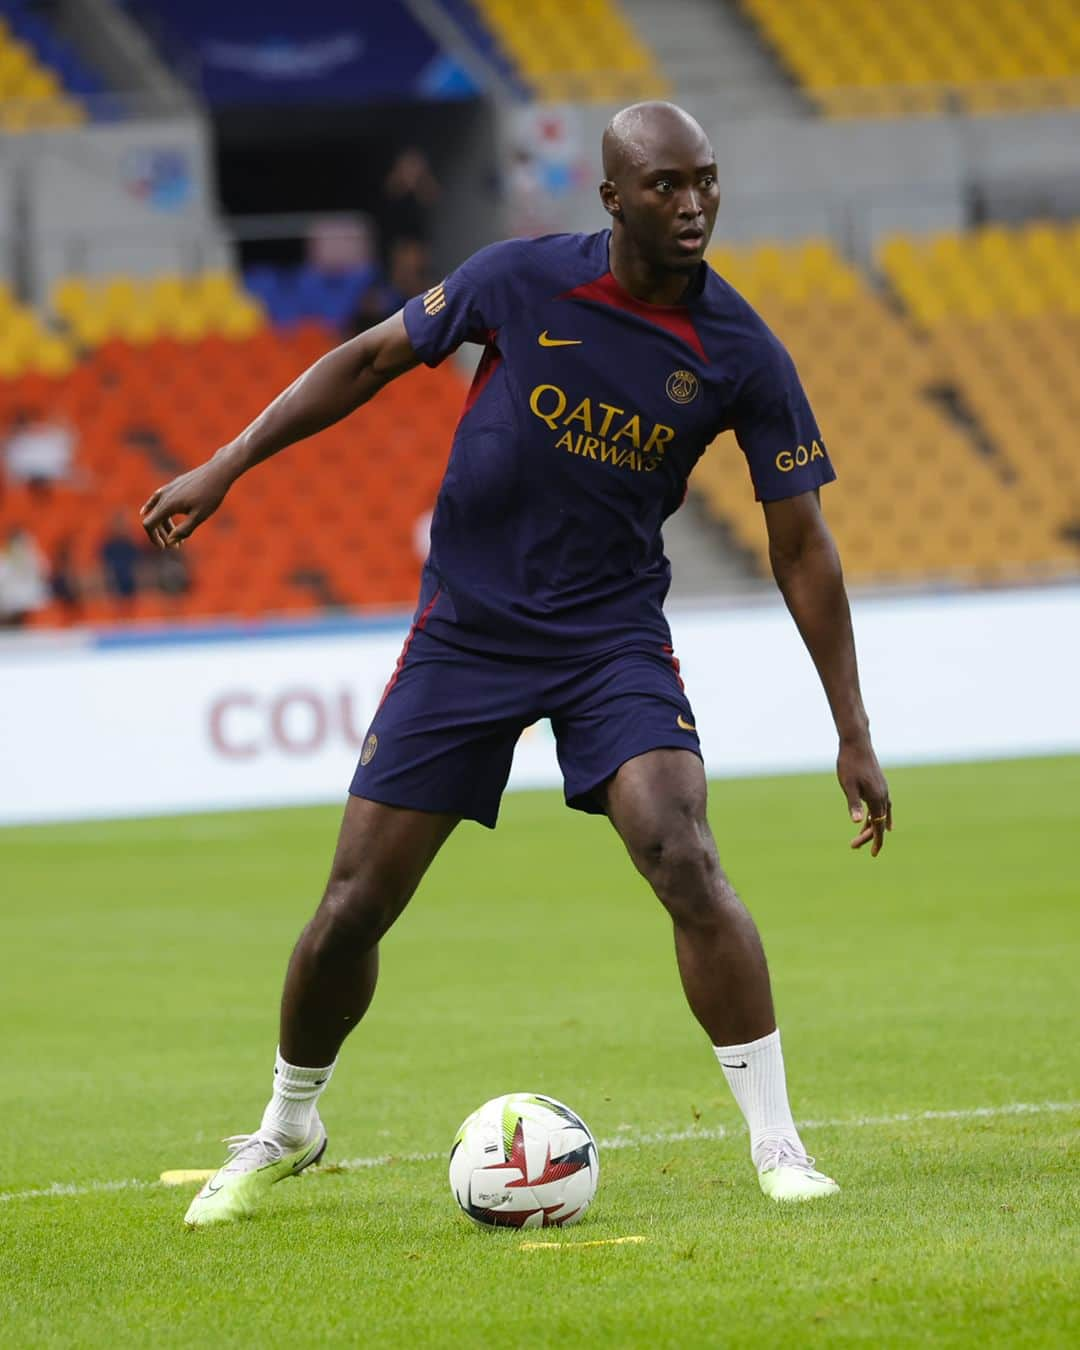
23, 584
409, 195
64, 579
121, 559
37, 452
410, 268
171, 573
339, 243
409, 275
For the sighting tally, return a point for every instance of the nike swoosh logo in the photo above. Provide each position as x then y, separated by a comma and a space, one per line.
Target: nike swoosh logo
546, 341
733, 1066
681, 721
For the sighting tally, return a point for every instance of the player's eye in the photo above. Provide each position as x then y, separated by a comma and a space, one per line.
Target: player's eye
708, 180
663, 185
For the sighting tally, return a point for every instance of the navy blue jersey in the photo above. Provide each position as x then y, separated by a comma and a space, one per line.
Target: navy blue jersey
588, 411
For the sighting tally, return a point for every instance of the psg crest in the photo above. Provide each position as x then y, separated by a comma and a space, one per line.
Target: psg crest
682, 386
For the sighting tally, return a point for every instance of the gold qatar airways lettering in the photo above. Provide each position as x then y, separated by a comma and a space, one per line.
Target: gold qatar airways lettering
601, 431
787, 460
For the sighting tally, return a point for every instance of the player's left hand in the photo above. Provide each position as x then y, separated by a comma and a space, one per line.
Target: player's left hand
861, 778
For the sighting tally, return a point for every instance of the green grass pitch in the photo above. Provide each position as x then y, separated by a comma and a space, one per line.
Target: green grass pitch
925, 998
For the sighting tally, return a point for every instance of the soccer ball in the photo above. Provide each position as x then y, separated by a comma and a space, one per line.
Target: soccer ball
524, 1161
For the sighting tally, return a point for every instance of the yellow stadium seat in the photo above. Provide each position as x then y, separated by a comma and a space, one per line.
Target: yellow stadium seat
586, 51
931, 502
858, 59
138, 310
53, 356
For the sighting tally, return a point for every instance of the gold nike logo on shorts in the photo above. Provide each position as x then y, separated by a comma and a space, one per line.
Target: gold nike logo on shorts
684, 725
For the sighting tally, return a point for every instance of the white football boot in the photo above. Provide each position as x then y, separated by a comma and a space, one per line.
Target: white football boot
255, 1163
786, 1173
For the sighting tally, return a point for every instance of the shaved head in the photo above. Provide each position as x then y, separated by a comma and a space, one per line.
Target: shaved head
634, 133
661, 193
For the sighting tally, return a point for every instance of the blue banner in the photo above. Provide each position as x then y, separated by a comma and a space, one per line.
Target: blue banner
308, 51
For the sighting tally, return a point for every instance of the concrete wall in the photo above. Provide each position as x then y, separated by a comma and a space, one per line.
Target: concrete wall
134, 197
9, 254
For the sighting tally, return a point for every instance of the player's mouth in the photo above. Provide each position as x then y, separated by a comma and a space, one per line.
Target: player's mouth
690, 240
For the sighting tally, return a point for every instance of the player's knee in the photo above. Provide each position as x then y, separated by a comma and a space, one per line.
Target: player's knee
680, 861
352, 913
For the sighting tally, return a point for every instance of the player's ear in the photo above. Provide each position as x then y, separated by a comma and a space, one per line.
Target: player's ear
609, 195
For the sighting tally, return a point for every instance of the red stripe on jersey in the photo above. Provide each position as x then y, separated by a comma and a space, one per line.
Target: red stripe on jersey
489, 364
675, 319
670, 653
415, 628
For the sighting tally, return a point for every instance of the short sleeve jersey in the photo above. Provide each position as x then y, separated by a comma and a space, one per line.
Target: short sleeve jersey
588, 410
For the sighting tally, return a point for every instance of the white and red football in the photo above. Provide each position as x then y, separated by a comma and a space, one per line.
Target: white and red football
524, 1161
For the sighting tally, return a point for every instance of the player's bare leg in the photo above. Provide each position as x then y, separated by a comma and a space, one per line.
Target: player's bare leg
657, 802
382, 853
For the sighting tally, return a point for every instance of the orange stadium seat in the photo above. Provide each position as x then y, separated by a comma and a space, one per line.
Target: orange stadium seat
948, 406
332, 522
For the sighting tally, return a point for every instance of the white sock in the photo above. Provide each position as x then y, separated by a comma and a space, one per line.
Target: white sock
755, 1074
290, 1114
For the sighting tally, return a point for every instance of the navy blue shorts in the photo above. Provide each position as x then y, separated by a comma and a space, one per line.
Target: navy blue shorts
444, 734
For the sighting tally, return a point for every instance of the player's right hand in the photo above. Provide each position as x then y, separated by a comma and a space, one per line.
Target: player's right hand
195, 495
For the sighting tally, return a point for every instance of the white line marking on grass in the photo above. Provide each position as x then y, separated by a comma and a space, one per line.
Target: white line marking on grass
859, 1122
71, 1188
626, 1140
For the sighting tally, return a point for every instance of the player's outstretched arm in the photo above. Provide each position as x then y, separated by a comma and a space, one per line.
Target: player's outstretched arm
333, 387
807, 569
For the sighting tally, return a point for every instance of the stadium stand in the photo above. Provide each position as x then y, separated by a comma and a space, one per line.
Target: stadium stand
587, 52
331, 524
864, 60
27, 344
466, 15
43, 81
293, 294
140, 310
1002, 311
948, 405
923, 493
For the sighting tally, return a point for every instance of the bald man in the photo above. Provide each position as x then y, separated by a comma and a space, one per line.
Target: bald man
610, 363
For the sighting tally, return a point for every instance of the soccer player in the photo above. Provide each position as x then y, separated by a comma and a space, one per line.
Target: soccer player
610, 362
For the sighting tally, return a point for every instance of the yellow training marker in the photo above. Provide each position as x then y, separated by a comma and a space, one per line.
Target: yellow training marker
598, 1242
181, 1176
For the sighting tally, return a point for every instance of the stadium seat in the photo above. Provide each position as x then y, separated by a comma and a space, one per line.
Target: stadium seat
918, 496
291, 295
40, 75
863, 60
140, 310
583, 52
1002, 311
27, 344
948, 407
331, 523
